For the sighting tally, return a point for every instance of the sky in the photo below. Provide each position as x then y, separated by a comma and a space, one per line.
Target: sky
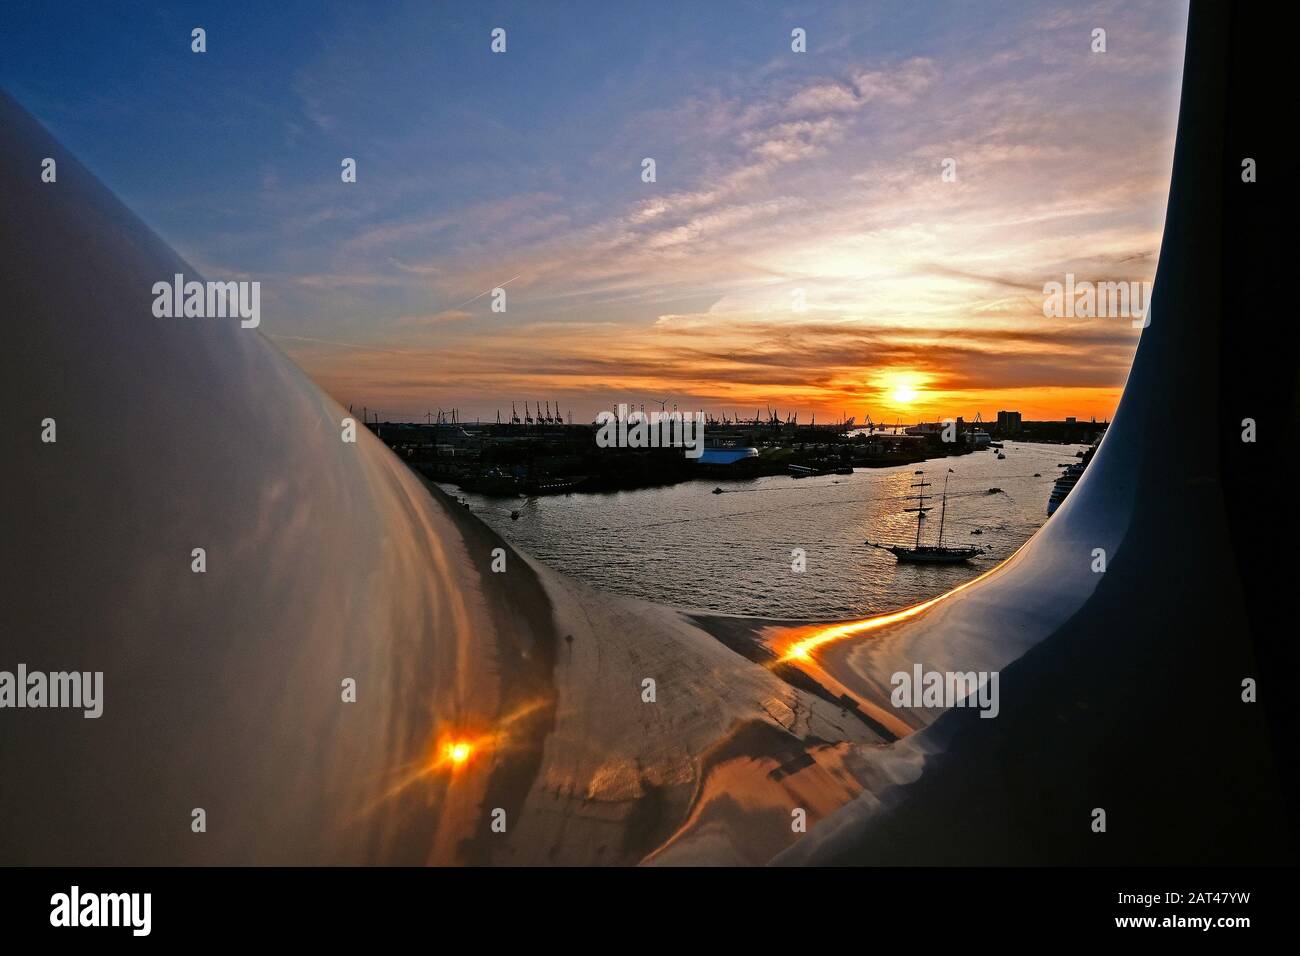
799, 247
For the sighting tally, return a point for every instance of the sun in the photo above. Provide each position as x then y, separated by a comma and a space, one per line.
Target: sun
458, 752
901, 387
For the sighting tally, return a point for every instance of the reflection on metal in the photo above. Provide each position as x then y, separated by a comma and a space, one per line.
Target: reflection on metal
325, 560
807, 640
1120, 689
329, 561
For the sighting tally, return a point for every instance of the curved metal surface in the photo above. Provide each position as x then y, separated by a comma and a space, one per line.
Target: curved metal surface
325, 560
329, 560
1119, 690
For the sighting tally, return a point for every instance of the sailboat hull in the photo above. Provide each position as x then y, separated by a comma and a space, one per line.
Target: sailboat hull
932, 555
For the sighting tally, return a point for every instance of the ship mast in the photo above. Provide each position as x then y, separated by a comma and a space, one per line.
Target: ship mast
920, 508
943, 510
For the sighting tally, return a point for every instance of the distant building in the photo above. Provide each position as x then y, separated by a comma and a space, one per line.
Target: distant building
1069, 419
1008, 422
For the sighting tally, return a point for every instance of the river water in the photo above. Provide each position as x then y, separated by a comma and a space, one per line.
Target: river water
732, 552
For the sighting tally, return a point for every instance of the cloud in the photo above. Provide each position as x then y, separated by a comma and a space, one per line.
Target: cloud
897, 86
821, 176
829, 97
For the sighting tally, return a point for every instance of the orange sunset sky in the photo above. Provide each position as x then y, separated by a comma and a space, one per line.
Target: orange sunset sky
799, 247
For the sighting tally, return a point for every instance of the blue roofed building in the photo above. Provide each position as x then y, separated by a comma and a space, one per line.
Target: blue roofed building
726, 456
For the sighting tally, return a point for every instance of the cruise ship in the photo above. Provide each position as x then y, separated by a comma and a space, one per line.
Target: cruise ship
1069, 478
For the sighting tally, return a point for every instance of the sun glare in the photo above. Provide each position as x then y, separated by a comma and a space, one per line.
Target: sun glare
458, 752
901, 387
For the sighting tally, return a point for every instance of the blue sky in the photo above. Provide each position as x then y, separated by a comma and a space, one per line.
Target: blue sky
777, 172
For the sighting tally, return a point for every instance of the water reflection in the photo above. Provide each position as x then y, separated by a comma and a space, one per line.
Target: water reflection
731, 553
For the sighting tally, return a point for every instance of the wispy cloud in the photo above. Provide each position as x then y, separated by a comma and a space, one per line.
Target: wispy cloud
800, 240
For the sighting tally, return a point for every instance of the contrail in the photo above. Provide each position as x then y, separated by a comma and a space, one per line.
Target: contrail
477, 297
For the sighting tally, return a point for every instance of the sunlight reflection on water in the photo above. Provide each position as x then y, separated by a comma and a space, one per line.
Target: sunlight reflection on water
730, 553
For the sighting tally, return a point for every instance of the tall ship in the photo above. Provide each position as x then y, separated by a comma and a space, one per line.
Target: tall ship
936, 553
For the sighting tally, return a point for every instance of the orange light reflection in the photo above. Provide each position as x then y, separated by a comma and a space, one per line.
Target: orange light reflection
801, 650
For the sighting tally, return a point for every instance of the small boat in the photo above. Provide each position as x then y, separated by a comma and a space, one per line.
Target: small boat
978, 531
1001, 456
1037, 475
994, 491
514, 516
927, 553
717, 491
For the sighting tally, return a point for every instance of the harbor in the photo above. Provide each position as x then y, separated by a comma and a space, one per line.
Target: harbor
740, 543
541, 453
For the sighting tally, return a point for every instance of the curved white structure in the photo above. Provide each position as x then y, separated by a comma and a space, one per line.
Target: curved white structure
524, 693
1121, 690
481, 698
